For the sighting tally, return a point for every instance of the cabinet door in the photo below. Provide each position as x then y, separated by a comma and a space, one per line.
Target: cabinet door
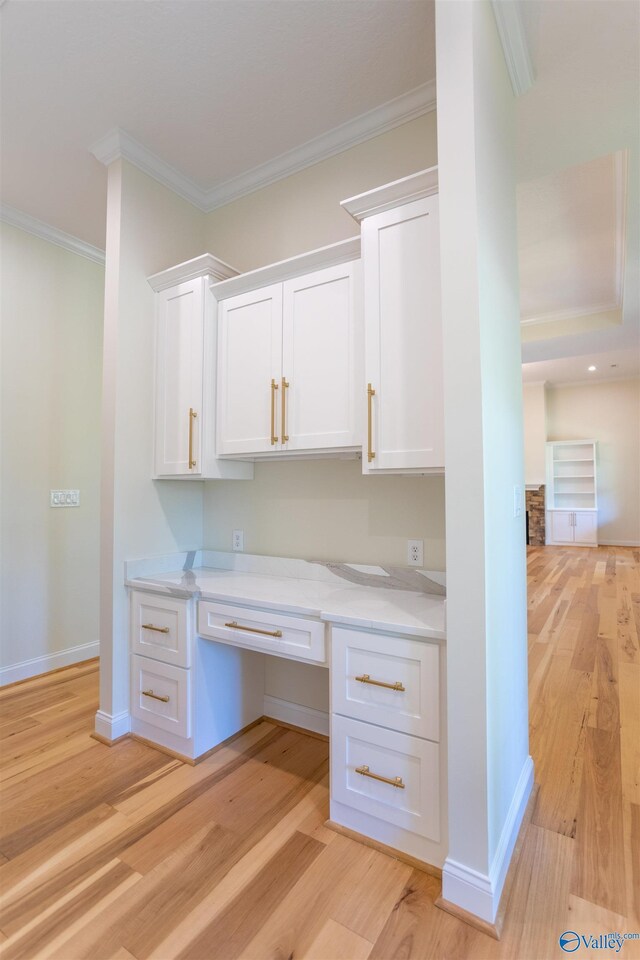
585, 526
319, 359
179, 345
249, 359
403, 337
561, 526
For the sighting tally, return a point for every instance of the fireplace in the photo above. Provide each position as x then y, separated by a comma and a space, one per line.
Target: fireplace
534, 502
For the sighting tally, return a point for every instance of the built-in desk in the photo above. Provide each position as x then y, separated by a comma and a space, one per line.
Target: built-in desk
199, 635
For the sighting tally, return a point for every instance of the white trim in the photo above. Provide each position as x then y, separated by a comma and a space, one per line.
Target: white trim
297, 714
570, 314
414, 187
329, 256
406, 107
479, 893
619, 543
117, 144
205, 265
45, 664
112, 726
513, 37
16, 218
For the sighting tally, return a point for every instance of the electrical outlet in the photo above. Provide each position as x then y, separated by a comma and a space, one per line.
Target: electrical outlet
415, 553
64, 498
237, 541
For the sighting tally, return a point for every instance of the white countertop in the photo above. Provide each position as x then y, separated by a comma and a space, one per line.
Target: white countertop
334, 600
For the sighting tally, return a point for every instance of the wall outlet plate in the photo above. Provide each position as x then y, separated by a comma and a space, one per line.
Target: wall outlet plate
237, 540
415, 553
64, 498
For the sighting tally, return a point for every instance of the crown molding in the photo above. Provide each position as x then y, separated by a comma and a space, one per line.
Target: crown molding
414, 187
205, 265
16, 218
571, 314
118, 145
375, 122
513, 37
330, 256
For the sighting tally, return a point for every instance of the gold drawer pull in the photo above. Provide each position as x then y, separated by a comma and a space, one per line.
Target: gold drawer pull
150, 626
265, 633
365, 678
192, 417
274, 435
396, 782
370, 452
154, 696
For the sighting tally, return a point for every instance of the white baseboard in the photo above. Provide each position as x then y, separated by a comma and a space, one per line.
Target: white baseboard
480, 893
112, 726
48, 662
297, 715
619, 543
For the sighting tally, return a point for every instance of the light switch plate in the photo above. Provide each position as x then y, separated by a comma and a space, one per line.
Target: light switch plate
517, 502
65, 498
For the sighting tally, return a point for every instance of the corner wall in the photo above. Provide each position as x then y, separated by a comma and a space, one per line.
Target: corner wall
52, 309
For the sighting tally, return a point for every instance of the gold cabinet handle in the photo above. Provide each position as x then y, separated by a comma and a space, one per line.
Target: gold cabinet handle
274, 435
365, 678
370, 395
192, 417
150, 626
265, 633
154, 696
285, 385
395, 782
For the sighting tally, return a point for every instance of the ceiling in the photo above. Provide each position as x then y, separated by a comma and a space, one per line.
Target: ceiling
217, 89
611, 365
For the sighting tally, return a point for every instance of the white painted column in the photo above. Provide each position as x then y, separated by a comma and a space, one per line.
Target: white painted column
490, 771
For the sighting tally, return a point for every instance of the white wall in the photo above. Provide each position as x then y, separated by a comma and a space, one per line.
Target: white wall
490, 772
148, 228
52, 306
609, 412
534, 409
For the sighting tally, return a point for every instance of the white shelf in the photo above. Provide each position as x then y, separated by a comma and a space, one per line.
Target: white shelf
571, 475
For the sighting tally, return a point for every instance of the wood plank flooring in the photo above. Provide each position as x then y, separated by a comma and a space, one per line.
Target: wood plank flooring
120, 853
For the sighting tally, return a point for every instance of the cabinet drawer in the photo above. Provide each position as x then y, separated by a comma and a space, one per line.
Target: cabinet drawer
160, 695
410, 669
262, 630
159, 628
387, 754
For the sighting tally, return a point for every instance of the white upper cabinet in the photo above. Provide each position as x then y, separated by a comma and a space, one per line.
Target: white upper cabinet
403, 389
289, 370
185, 372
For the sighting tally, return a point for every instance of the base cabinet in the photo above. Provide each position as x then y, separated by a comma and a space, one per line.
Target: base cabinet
572, 527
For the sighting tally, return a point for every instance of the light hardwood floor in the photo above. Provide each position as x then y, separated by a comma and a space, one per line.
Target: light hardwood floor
123, 852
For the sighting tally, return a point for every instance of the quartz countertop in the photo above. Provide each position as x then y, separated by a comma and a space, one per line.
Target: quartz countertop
333, 597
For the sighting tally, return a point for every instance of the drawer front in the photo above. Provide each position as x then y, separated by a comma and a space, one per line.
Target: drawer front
410, 669
372, 750
159, 628
262, 630
161, 695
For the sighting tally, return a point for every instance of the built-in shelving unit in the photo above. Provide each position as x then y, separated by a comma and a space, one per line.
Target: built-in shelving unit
571, 491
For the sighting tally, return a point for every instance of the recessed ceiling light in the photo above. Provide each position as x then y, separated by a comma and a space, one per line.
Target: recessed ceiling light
591, 368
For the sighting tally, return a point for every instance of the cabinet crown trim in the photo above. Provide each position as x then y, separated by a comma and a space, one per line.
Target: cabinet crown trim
329, 256
414, 187
205, 265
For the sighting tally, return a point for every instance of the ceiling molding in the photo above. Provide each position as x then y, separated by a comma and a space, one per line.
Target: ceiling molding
570, 314
375, 122
51, 234
513, 37
119, 145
